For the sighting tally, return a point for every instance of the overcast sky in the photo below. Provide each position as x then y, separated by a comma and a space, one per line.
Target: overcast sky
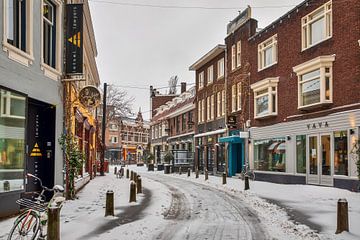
140, 46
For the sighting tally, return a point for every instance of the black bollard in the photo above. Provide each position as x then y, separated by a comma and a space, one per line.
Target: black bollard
115, 170
224, 178
197, 173
179, 170
53, 225
206, 175
342, 216
188, 172
138, 184
247, 186
109, 206
127, 173
132, 191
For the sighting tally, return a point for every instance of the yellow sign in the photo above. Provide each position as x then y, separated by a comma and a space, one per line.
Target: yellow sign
36, 151
75, 39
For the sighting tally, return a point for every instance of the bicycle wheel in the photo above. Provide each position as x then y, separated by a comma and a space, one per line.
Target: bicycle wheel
26, 227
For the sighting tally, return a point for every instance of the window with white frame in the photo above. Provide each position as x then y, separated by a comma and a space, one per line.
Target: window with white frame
238, 54
113, 127
212, 112
12, 105
203, 110
233, 57
18, 30
223, 103
199, 111
265, 97
49, 33
317, 26
220, 68
210, 74
218, 107
267, 53
233, 98
238, 97
201, 80
208, 110
315, 81
114, 139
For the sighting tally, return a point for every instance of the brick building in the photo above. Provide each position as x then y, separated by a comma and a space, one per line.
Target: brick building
172, 129
210, 110
299, 89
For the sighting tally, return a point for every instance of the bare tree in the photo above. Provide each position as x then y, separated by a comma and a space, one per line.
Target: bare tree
119, 104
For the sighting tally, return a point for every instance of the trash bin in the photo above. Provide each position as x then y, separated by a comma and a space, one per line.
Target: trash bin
150, 167
167, 169
160, 167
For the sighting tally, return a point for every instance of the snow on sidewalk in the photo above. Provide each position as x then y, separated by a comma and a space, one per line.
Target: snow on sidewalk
84, 218
314, 206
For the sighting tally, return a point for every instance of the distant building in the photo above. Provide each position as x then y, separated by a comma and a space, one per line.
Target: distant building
172, 129
134, 139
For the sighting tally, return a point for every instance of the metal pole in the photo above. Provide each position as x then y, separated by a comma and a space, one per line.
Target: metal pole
103, 132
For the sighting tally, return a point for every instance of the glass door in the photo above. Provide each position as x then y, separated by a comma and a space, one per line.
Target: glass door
313, 160
319, 151
326, 163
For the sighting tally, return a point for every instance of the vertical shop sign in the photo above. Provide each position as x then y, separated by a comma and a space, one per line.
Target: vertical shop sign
74, 39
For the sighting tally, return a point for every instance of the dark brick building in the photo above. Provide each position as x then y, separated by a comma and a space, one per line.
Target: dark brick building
210, 109
299, 88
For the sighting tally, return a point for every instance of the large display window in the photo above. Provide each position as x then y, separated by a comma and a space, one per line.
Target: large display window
270, 155
12, 140
341, 153
301, 154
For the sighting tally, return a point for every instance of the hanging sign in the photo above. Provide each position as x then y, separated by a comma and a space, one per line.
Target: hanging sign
90, 96
74, 39
36, 151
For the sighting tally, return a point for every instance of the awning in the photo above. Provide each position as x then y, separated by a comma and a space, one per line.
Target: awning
210, 133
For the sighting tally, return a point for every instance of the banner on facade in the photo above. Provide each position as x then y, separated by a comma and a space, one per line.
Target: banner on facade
74, 39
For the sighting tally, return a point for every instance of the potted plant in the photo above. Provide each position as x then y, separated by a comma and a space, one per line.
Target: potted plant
150, 161
168, 158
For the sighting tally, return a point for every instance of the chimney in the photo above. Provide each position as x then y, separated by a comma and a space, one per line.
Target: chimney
183, 87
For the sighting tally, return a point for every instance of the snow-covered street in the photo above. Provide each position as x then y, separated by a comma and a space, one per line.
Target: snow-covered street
179, 207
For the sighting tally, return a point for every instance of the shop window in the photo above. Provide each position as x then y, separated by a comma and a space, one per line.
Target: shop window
265, 97
270, 155
315, 82
341, 153
317, 26
267, 53
12, 141
301, 154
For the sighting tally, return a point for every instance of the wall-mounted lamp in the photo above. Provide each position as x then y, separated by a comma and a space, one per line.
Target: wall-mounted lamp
352, 131
249, 141
288, 138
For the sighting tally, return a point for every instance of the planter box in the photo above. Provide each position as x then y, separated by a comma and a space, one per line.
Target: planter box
167, 169
160, 167
151, 167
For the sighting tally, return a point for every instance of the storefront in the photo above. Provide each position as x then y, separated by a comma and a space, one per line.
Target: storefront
182, 147
317, 151
235, 150
25, 123
210, 153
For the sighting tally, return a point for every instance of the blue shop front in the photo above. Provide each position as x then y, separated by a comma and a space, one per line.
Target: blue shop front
236, 151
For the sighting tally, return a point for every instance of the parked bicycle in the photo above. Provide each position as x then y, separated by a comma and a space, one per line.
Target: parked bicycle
31, 224
246, 171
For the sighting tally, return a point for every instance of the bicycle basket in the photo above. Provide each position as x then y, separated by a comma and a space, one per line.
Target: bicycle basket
30, 204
